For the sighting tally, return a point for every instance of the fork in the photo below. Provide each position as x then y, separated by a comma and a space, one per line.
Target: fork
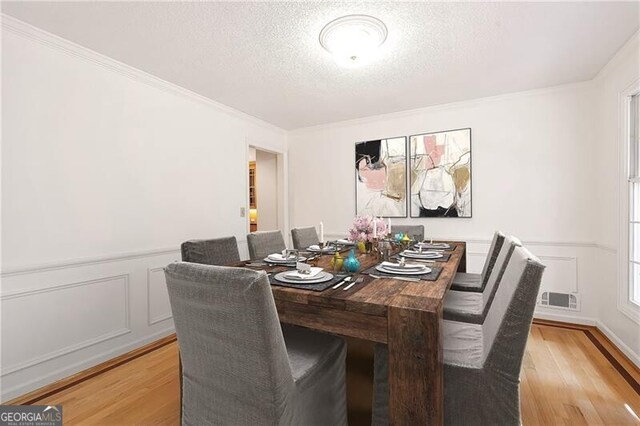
359, 280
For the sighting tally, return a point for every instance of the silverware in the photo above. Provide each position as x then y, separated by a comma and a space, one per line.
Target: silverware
359, 280
345, 280
396, 278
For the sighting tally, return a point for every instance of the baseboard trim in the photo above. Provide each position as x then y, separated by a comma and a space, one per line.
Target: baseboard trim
60, 385
619, 344
559, 319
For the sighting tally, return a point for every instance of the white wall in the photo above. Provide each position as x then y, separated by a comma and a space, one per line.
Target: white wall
536, 163
267, 190
105, 171
622, 72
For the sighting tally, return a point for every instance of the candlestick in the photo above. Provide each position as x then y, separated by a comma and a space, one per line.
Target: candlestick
375, 227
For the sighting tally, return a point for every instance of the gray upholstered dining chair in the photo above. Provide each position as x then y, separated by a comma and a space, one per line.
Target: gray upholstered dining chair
239, 365
217, 251
304, 237
464, 281
263, 243
482, 360
411, 230
476, 302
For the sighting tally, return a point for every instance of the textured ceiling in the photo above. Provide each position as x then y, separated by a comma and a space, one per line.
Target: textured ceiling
265, 59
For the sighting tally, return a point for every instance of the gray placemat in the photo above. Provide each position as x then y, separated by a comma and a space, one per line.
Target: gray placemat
445, 258
314, 287
431, 276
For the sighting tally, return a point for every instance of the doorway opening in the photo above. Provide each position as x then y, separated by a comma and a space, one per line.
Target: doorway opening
263, 190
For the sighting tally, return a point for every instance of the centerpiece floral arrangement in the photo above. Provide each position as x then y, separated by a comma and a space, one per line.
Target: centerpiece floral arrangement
366, 228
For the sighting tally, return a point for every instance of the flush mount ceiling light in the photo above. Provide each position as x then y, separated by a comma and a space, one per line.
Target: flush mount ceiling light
353, 39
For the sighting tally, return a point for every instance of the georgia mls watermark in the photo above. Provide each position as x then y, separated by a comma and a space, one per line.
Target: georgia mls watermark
30, 415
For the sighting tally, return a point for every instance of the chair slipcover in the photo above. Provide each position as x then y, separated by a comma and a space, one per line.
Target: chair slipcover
484, 390
458, 304
218, 251
304, 237
410, 230
477, 282
263, 243
239, 365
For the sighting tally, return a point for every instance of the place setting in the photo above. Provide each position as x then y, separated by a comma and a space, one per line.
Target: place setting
404, 270
308, 277
430, 245
286, 258
419, 252
325, 248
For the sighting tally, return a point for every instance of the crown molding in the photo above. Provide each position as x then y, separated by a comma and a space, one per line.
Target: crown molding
588, 84
631, 46
53, 41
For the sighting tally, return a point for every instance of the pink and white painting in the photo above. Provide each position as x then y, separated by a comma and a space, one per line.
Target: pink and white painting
381, 177
440, 174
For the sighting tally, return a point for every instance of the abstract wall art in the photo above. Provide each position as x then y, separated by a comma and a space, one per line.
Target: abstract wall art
440, 174
381, 177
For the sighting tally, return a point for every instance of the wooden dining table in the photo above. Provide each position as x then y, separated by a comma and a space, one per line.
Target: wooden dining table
407, 316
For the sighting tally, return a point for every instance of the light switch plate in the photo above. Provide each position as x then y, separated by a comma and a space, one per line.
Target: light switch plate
243, 211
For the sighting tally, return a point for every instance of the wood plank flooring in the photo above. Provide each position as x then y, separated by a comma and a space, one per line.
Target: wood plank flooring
566, 379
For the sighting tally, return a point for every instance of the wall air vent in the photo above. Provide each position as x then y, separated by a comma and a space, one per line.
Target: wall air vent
560, 300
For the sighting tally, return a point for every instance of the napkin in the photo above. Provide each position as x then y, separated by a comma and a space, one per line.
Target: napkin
344, 241
298, 276
317, 247
397, 265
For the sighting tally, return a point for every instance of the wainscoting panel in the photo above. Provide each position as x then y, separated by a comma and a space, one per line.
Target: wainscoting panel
561, 274
57, 320
159, 308
61, 319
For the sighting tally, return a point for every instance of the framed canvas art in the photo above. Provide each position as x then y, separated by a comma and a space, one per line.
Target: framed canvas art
440, 174
381, 177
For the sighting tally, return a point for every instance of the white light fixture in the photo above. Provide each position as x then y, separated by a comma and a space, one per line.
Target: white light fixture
353, 39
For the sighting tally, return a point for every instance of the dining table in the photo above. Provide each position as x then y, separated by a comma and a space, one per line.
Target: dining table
405, 315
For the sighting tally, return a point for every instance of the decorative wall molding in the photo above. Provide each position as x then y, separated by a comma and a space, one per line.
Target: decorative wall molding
31, 32
78, 346
150, 320
444, 107
74, 263
630, 46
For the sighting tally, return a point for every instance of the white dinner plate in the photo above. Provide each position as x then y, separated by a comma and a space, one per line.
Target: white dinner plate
423, 255
411, 272
324, 250
321, 278
405, 267
441, 246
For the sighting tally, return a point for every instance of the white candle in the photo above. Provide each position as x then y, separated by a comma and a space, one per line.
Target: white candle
375, 227
389, 226
321, 232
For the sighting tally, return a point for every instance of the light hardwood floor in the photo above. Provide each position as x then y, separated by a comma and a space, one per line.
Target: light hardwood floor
566, 379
